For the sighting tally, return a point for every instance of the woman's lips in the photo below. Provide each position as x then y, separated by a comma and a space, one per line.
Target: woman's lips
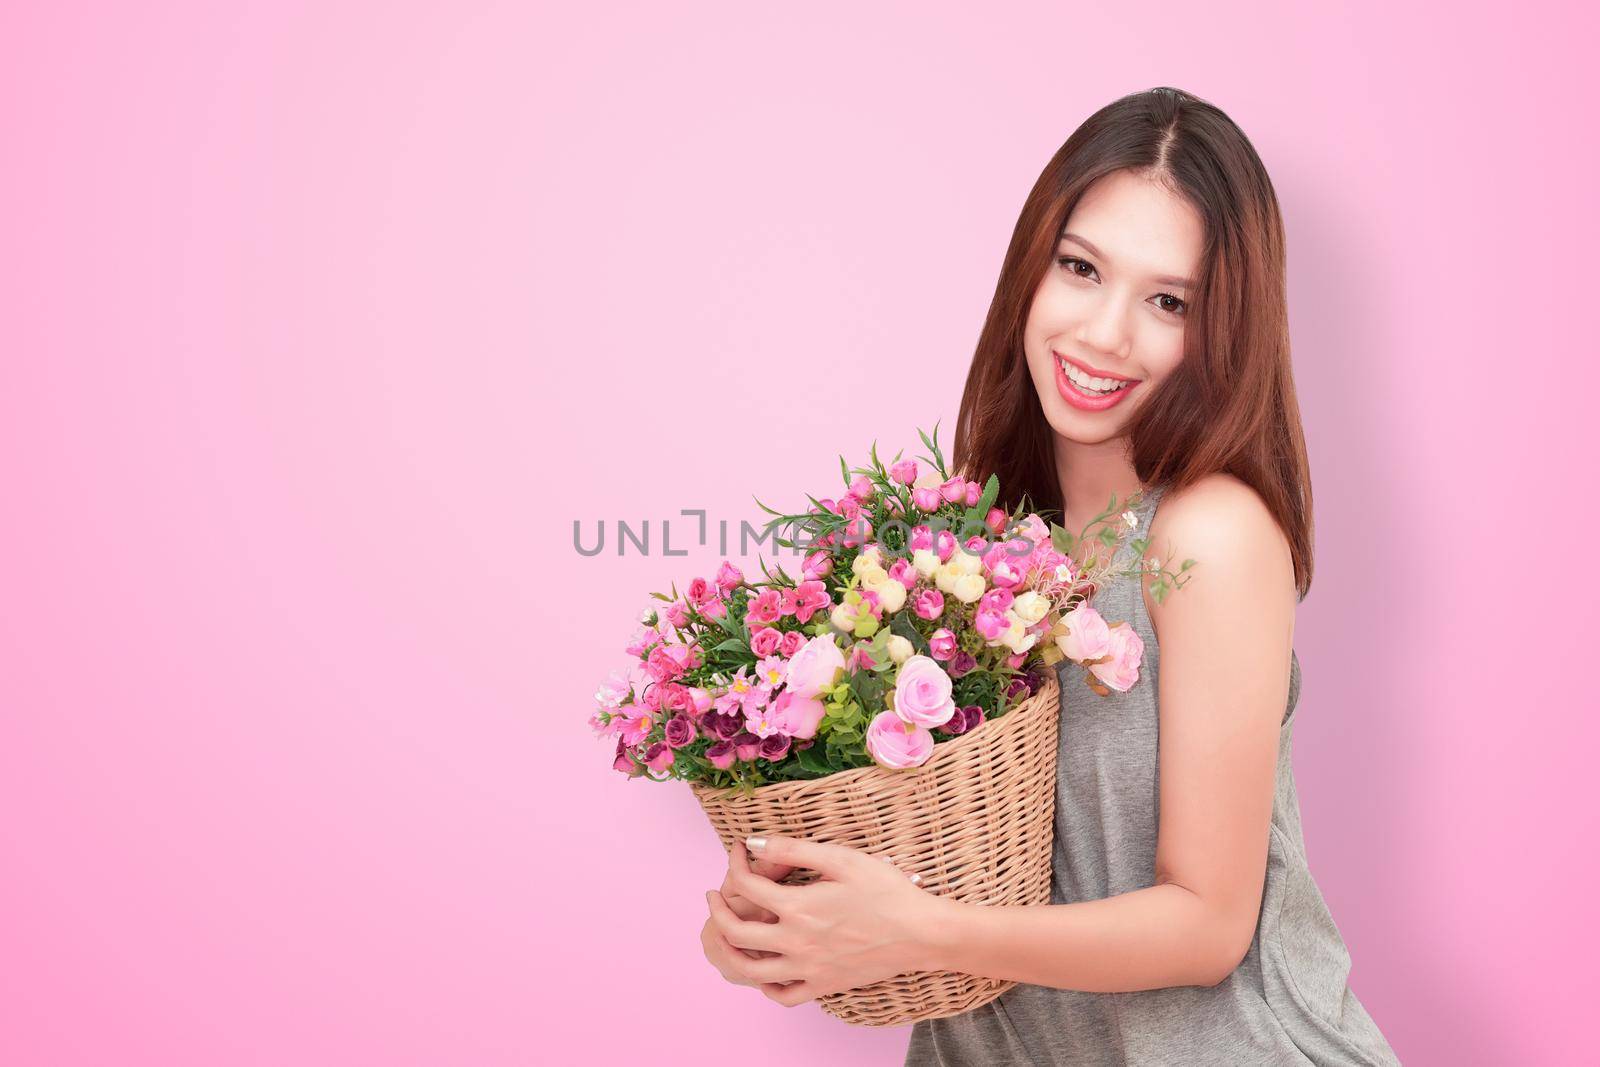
1083, 401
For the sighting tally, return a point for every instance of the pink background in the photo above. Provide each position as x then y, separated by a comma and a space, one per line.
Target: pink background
322, 323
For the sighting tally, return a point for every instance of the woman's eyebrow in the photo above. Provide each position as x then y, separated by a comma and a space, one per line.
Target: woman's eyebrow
1163, 279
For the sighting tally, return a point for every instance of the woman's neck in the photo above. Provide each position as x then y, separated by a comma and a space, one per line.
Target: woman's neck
1089, 474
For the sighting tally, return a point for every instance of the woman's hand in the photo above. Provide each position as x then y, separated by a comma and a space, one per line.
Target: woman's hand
863, 921
723, 956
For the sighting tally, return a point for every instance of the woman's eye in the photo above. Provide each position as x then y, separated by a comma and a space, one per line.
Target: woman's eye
1081, 267
1168, 302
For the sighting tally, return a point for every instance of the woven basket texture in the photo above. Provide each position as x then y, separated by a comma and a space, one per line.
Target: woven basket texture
975, 821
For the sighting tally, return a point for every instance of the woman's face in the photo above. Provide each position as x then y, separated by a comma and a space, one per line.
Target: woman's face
1111, 307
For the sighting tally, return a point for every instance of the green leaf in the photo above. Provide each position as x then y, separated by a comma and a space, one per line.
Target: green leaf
991, 491
1061, 539
901, 625
813, 760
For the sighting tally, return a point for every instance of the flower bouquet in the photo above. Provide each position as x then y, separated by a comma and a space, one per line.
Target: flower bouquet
898, 695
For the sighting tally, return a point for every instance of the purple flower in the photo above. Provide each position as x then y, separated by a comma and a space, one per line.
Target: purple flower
746, 745
721, 755
624, 762
1018, 689
963, 662
964, 720
680, 731
774, 747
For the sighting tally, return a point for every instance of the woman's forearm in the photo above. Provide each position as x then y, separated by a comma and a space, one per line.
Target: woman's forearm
1160, 936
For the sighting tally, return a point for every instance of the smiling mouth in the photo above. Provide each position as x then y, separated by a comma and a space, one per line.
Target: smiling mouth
1090, 385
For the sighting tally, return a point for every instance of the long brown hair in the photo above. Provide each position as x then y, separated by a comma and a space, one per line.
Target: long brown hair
1229, 406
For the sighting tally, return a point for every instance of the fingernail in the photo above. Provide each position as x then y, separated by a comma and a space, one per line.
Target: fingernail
755, 844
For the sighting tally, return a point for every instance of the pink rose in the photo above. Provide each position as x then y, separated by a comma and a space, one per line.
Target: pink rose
944, 545
903, 572
1087, 637
815, 667
921, 537
996, 600
728, 576
793, 642
765, 642
700, 591
929, 604
796, 715
676, 613
922, 693
904, 472
817, 565
942, 645
1126, 652
926, 498
1006, 574
666, 662
896, 744
991, 625
954, 490
857, 532
974, 494
721, 755
996, 521
862, 488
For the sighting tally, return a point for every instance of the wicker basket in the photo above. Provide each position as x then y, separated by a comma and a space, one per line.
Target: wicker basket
975, 821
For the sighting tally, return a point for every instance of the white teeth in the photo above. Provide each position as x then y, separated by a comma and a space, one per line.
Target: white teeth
1090, 383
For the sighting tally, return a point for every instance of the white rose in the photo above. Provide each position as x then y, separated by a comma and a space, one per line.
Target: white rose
900, 649
925, 561
965, 562
1028, 641
1017, 638
1031, 607
891, 594
867, 558
945, 578
842, 618
968, 588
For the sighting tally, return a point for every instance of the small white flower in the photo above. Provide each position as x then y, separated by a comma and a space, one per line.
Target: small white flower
1131, 519
1063, 573
1155, 564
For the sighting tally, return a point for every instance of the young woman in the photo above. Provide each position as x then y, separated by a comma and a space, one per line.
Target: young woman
1137, 342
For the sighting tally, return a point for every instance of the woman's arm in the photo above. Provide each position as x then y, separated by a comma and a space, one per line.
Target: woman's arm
1226, 639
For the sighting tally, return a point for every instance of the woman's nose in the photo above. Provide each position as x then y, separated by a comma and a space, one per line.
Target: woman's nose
1106, 327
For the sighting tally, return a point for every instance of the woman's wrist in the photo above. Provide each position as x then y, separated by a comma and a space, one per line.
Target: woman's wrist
943, 924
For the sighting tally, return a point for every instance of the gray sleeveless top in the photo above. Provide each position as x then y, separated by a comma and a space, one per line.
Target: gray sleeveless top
1287, 1002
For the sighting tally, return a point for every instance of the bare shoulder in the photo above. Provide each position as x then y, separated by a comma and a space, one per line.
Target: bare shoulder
1238, 547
